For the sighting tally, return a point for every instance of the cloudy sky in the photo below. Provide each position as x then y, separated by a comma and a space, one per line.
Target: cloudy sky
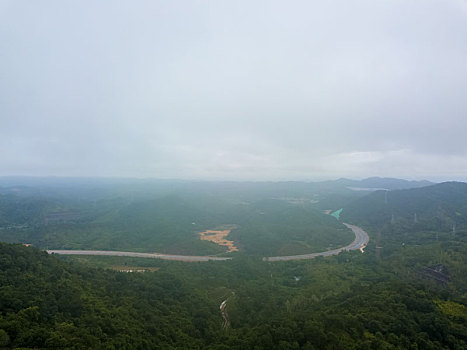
274, 90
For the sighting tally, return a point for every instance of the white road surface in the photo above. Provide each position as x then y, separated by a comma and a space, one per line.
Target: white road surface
188, 258
360, 242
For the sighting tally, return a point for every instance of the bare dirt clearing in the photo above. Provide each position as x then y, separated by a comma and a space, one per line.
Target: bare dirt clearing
219, 237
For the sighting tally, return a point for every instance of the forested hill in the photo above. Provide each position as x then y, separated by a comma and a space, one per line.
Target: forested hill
436, 207
48, 303
345, 302
15, 210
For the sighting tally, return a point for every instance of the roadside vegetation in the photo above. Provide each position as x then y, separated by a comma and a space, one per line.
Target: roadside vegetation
407, 291
169, 222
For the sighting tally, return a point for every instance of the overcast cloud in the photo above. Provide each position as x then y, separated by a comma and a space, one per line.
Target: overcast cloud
281, 90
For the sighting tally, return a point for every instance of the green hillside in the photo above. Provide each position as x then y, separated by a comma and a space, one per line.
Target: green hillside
407, 291
170, 223
49, 304
352, 301
438, 207
273, 227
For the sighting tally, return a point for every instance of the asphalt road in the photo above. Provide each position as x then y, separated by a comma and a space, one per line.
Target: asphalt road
360, 242
188, 258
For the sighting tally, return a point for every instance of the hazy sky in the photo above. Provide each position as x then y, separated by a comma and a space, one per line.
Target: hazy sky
297, 90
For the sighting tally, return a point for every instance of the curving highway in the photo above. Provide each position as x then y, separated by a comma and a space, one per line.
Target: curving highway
360, 242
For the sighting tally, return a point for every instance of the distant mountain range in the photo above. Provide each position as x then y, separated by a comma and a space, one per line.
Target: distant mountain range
378, 183
33, 181
437, 207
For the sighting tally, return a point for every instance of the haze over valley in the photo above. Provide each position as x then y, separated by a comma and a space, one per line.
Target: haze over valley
277, 265
233, 174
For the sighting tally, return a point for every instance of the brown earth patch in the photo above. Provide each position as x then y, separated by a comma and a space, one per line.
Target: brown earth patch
219, 237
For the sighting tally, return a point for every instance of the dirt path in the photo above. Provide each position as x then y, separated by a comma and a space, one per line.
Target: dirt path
225, 316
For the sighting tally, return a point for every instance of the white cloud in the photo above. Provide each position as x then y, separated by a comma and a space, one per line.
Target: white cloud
237, 90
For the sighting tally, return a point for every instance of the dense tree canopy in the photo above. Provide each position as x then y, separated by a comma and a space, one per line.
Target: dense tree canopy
407, 291
343, 302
